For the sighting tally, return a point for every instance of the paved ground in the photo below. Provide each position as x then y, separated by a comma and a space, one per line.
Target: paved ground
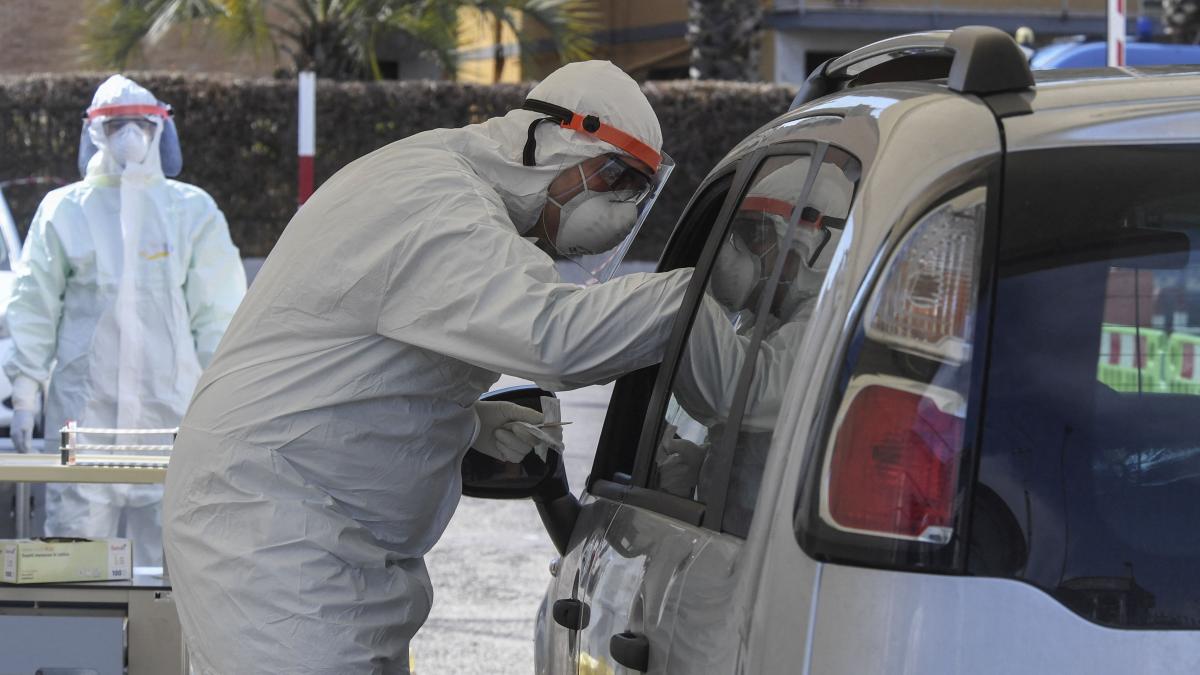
491, 567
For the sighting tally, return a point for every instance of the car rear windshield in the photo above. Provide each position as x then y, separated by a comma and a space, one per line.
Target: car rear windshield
1089, 467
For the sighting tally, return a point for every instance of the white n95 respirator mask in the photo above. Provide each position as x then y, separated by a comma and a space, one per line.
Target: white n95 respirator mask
129, 145
591, 222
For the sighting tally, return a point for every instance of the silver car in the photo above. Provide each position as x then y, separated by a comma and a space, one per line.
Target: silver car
971, 446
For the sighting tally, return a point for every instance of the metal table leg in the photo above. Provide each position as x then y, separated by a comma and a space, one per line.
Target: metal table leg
22, 510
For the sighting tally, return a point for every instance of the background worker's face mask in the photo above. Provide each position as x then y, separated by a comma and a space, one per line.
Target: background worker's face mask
129, 140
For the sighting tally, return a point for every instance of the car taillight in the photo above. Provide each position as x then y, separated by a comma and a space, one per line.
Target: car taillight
894, 465
926, 298
888, 489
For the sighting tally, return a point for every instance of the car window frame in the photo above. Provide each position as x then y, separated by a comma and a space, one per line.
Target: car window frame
635, 492
715, 513
616, 438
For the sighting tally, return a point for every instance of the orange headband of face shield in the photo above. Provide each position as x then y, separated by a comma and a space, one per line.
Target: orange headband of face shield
591, 125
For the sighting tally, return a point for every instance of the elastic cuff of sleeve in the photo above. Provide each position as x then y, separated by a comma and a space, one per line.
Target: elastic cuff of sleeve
27, 393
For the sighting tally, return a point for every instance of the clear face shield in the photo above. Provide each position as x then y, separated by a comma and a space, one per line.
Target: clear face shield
126, 128
600, 217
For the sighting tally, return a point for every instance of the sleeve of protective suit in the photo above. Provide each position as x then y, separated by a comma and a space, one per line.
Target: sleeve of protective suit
216, 282
713, 360
36, 305
482, 294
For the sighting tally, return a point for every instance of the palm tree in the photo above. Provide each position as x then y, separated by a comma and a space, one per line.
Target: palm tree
335, 38
724, 36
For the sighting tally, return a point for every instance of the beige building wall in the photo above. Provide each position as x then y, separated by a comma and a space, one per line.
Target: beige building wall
46, 36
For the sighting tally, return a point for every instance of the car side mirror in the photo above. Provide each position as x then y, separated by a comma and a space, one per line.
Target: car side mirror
545, 482
490, 478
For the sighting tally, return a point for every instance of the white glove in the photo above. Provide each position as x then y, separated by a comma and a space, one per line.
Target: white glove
27, 400
21, 430
679, 461
508, 431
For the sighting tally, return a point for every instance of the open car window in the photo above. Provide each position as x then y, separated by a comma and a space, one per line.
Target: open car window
728, 382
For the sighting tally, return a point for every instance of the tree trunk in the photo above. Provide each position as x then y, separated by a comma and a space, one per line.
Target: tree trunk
725, 37
498, 54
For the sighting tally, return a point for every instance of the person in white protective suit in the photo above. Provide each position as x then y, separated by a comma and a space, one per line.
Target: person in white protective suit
129, 279
761, 238
320, 458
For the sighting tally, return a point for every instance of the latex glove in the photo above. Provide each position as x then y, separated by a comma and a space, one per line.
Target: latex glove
679, 461
542, 439
505, 430
21, 430
27, 400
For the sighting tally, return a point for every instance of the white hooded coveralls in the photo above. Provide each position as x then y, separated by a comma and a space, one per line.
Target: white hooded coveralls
320, 459
126, 341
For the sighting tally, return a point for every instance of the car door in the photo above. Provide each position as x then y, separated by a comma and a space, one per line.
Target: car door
567, 613
676, 505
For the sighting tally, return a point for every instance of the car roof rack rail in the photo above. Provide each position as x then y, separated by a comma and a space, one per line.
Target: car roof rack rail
973, 60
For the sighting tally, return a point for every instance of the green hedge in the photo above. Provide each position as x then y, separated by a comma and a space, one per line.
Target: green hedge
239, 136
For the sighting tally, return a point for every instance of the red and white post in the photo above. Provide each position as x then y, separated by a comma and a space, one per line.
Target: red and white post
1116, 32
308, 133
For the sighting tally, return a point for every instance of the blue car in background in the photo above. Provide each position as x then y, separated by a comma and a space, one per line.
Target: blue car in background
1093, 55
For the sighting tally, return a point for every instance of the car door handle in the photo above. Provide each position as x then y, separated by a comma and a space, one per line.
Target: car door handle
631, 650
572, 614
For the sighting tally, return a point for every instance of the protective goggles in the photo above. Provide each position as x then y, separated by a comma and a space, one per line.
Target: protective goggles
612, 175
114, 124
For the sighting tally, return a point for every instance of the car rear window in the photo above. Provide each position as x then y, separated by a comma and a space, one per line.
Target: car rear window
1089, 463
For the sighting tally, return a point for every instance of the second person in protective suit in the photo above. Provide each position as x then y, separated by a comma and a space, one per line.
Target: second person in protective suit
129, 280
320, 458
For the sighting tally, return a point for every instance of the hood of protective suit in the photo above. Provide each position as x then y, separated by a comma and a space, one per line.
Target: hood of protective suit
97, 160
494, 148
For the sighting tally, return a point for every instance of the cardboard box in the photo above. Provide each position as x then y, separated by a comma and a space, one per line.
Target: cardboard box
53, 560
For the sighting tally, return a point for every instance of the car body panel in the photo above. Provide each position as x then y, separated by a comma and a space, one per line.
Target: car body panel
634, 583
558, 650
875, 621
1151, 106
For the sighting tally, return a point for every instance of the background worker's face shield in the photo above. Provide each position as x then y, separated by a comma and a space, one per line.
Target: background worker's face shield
624, 196
108, 120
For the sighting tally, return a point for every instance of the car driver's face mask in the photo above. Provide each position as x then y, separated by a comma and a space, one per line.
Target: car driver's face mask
601, 212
